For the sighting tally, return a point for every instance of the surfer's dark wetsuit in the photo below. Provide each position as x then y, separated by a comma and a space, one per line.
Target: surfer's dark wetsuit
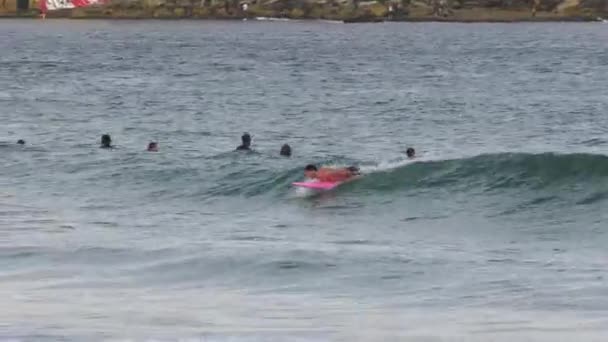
246, 143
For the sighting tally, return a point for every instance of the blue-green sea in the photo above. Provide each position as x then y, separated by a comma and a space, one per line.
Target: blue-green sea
497, 231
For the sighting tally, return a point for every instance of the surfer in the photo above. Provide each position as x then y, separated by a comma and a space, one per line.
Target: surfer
246, 143
327, 174
410, 152
106, 141
152, 147
286, 150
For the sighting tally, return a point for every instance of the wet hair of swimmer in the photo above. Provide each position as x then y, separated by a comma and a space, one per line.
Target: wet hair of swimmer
410, 152
106, 141
310, 167
21, 142
286, 150
354, 170
246, 139
153, 146
246, 142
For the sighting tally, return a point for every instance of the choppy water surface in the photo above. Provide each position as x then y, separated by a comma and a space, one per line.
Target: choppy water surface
497, 232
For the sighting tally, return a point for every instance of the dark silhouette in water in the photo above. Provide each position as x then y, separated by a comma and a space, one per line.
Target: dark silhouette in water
411, 153
106, 141
21, 142
152, 147
286, 150
246, 143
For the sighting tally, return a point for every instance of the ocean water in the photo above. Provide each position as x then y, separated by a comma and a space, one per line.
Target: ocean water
496, 232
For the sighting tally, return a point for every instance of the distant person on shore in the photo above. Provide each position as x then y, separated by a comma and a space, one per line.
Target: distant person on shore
106, 141
411, 153
245, 143
286, 150
20, 142
152, 147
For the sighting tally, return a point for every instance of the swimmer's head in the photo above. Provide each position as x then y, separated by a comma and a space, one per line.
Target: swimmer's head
21, 142
411, 153
246, 139
106, 141
153, 146
286, 150
354, 170
310, 171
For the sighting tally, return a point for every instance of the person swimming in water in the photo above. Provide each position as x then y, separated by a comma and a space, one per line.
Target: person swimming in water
286, 150
246, 143
152, 147
106, 141
20, 142
326, 174
410, 152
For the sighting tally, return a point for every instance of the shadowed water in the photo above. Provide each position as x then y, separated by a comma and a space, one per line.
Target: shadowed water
496, 232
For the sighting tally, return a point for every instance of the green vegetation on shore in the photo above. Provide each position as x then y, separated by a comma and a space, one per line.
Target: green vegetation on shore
342, 10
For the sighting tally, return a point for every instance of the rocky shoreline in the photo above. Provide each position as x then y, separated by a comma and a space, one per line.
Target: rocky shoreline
347, 11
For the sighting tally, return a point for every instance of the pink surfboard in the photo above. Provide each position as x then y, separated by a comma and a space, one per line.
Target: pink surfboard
317, 185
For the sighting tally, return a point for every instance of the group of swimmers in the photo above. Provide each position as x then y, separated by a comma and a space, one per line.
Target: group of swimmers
323, 174
328, 174
311, 171
106, 142
246, 146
